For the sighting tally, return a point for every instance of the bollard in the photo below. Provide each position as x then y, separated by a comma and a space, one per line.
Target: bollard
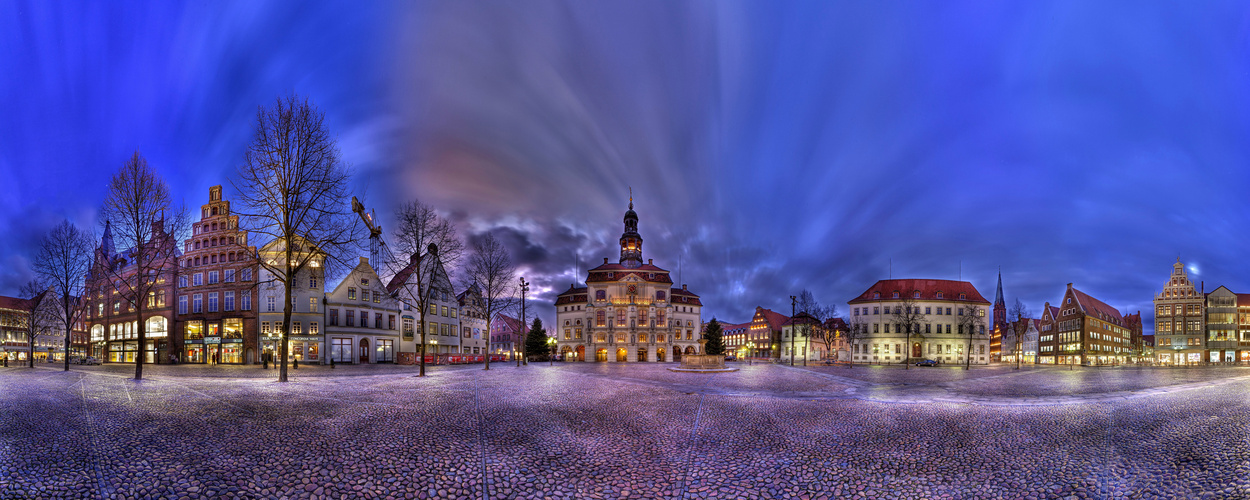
331, 363
296, 363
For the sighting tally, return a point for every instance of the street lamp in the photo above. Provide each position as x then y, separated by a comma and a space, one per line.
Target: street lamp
551, 343
793, 329
525, 287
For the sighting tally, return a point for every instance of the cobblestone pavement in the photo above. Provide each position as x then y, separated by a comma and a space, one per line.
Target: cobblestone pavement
625, 431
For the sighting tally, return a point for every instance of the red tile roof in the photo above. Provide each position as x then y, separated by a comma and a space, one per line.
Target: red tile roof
1097, 308
775, 319
684, 297
929, 289
14, 303
512, 324
619, 267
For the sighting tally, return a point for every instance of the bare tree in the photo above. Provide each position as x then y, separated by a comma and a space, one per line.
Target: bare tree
39, 318
421, 228
818, 316
293, 187
908, 317
1019, 315
491, 270
65, 258
971, 322
832, 333
857, 329
134, 214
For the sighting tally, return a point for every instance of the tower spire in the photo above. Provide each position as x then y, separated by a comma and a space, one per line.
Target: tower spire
631, 241
106, 242
998, 296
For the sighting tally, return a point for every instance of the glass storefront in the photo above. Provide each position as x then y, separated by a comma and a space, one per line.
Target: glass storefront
232, 353
232, 328
123, 352
195, 353
341, 350
385, 351
193, 330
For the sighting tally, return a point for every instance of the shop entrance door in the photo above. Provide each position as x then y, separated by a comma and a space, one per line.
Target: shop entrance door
214, 351
364, 351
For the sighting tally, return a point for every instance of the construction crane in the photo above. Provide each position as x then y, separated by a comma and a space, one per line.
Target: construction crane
375, 233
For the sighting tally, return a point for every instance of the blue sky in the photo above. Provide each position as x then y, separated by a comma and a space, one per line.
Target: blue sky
770, 147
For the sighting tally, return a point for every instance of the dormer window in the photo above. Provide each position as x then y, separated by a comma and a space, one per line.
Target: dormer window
876, 295
939, 295
963, 296
916, 294
895, 295
611, 275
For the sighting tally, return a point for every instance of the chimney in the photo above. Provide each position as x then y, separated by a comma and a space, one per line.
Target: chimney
364, 260
605, 260
683, 287
1069, 286
650, 261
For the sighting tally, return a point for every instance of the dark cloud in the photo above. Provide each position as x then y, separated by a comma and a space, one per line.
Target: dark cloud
770, 148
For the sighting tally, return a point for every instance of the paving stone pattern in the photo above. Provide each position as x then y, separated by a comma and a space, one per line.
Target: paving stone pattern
625, 431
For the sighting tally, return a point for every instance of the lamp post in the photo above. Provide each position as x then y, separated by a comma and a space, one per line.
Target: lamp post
525, 287
793, 329
551, 343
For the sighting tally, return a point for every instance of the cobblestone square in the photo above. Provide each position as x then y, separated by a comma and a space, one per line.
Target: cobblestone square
625, 431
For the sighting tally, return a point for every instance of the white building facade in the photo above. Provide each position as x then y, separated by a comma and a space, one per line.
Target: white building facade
473, 333
306, 342
628, 311
362, 320
951, 316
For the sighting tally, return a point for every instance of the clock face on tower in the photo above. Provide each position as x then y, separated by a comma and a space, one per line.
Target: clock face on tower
632, 289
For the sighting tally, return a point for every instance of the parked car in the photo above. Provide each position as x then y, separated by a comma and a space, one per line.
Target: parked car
926, 362
89, 360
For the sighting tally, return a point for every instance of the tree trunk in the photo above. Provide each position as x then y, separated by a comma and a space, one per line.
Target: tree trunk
487, 343
69, 321
286, 317
139, 303
424, 329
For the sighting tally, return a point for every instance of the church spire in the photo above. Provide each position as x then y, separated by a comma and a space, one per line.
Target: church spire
106, 242
998, 296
